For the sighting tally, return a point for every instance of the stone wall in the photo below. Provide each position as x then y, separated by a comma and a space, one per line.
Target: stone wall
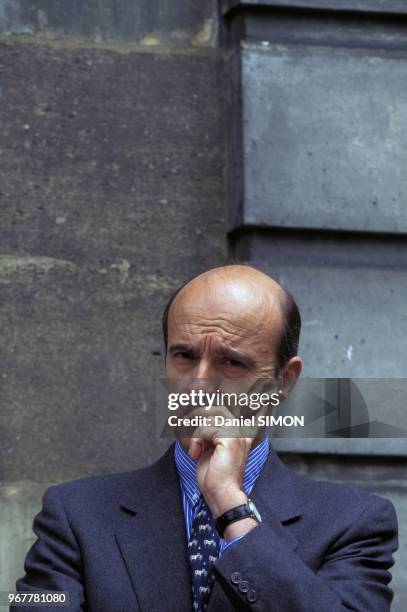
111, 195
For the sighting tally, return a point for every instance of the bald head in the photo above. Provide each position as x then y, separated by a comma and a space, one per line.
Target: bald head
231, 310
234, 286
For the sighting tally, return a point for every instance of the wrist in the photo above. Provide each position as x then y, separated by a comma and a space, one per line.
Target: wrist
239, 528
225, 501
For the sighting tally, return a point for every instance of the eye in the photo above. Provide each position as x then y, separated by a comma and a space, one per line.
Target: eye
182, 355
234, 363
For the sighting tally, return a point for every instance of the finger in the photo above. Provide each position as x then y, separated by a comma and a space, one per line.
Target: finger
202, 440
196, 447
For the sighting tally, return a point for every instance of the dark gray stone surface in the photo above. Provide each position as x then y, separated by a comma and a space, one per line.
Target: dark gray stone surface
111, 196
339, 165
178, 23
381, 7
317, 28
349, 448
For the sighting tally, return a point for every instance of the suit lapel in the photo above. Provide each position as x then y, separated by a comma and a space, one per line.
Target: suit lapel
274, 494
152, 539
275, 497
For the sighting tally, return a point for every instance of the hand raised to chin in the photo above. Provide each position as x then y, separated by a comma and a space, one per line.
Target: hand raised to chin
220, 468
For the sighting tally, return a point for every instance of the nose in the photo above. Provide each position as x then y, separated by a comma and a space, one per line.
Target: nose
206, 376
205, 369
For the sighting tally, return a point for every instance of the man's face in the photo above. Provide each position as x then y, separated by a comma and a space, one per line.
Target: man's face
224, 331
223, 328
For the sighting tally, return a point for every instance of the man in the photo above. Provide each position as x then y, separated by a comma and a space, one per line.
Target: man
182, 534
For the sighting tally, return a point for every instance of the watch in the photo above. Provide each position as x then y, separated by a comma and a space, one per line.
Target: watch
247, 510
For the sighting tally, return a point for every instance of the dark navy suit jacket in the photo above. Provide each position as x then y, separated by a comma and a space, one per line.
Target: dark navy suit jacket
117, 543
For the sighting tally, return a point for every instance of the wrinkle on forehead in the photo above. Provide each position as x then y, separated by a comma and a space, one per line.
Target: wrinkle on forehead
236, 299
197, 321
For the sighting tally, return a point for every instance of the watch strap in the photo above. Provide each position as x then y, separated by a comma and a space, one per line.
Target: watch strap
231, 516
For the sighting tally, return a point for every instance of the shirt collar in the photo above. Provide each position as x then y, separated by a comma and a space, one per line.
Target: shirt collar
187, 469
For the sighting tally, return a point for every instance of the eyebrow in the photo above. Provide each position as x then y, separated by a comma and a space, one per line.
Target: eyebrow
229, 353
185, 348
236, 356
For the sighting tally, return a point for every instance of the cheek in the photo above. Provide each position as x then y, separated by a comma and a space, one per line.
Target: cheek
172, 373
170, 370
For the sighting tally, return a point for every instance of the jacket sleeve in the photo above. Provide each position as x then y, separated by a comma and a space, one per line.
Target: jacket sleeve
53, 562
262, 571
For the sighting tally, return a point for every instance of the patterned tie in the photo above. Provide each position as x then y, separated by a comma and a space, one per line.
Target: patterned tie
203, 550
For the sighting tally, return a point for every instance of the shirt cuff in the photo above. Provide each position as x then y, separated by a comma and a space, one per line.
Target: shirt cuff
224, 545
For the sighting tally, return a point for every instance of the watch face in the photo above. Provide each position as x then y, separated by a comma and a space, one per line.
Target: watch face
254, 510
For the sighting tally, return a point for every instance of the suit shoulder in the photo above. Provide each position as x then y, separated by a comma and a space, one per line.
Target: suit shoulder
334, 496
101, 487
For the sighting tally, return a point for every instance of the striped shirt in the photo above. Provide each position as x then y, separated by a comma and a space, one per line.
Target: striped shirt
189, 486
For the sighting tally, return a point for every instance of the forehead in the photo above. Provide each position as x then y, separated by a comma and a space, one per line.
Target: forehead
234, 310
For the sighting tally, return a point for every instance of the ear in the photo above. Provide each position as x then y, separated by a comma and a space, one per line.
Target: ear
289, 375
